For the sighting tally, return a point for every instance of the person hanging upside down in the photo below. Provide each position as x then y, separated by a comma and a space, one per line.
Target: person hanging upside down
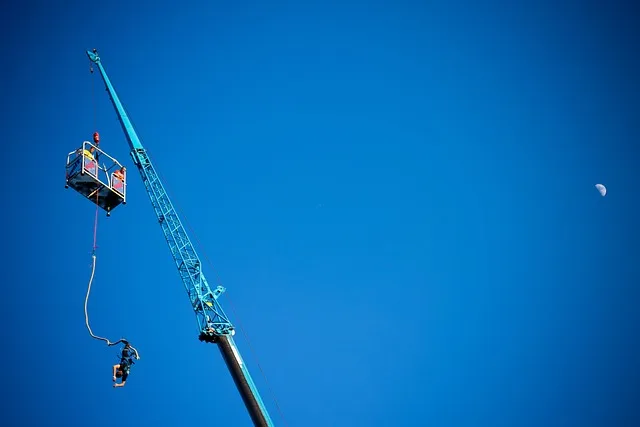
122, 369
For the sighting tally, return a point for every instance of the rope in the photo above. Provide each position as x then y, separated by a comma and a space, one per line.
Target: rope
86, 298
93, 270
95, 228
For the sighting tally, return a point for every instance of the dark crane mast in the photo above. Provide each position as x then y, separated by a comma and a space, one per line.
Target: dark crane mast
213, 324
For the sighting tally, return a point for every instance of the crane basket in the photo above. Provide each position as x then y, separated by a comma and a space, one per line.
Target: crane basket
104, 185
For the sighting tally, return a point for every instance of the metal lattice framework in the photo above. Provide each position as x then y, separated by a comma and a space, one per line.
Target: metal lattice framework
213, 325
203, 299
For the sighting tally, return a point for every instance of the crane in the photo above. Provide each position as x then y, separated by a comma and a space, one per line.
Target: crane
213, 324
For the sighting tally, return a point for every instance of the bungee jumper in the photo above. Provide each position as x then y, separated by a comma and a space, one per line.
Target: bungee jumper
122, 369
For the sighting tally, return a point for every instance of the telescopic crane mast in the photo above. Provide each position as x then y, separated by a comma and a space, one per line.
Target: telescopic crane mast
213, 324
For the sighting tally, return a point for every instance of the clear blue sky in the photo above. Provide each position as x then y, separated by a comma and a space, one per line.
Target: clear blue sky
399, 198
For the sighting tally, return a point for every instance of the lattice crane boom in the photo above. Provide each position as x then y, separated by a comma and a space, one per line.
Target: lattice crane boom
213, 324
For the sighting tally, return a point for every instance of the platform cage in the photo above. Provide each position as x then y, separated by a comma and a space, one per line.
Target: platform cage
97, 176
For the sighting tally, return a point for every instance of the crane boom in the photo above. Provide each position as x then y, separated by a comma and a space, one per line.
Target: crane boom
213, 324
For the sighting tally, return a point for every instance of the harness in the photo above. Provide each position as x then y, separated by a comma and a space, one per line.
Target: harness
126, 360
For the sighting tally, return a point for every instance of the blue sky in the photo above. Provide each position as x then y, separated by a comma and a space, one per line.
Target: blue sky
399, 198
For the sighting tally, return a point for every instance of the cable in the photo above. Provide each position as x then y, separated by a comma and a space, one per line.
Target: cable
95, 224
93, 97
273, 395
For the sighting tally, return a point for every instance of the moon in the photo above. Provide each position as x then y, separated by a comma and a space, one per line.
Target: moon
602, 189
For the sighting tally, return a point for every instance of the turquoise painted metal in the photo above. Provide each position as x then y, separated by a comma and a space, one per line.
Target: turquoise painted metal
213, 324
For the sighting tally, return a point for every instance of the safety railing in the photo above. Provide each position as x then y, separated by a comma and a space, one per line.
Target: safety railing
100, 166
